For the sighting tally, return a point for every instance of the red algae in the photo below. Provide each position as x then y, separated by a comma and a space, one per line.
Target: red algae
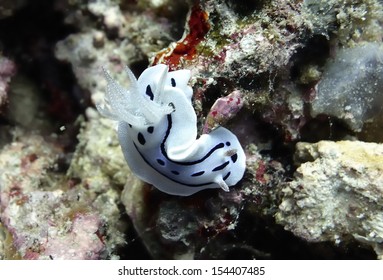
198, 26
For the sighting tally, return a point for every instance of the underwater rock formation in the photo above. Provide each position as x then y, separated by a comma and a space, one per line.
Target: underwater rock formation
7, 70
126, 38
336, 194
351, 87
208, 224
347, 22
45, 215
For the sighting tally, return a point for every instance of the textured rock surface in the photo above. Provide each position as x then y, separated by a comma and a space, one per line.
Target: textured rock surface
7, 70
207, 224
98, 160
350, 21
46, 215
25, 104
351, 87
336, 194
126, 38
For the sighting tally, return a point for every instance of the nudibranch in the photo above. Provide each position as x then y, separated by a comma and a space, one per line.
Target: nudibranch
157, 130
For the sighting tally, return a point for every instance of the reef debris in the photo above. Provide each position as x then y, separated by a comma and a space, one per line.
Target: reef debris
336, 194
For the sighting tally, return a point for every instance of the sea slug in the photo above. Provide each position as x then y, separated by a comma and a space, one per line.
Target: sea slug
157, 131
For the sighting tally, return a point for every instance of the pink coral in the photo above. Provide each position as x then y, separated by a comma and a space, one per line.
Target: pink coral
81, 242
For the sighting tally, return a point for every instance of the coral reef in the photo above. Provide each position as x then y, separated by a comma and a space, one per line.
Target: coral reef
98, 160
46, 215
93, 48
336, 195
349, 22
278, 74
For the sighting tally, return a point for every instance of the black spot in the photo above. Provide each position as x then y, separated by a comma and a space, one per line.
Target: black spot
175, 172
149, 92
150, 129
173, 82
228, 143
222, 166
161, 162
226, 176
197, 174
141, 138
234, 157
129, 125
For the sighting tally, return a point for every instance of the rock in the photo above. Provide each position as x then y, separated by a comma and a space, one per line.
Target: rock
7, 70
336, 194
348, 22
87, 58
25, 104
9, 7
112, 36
98, 159
203, 225
240, 42
45, 214
351, 88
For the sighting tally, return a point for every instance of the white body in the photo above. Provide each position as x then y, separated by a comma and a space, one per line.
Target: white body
158, 135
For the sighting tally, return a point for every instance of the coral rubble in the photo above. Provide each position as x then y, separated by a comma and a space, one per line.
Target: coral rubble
336, 194
46, 215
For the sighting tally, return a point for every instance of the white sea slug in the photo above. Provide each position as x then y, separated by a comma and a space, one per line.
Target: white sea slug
157, 131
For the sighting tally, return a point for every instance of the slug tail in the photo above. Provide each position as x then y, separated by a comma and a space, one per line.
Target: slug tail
222, 184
